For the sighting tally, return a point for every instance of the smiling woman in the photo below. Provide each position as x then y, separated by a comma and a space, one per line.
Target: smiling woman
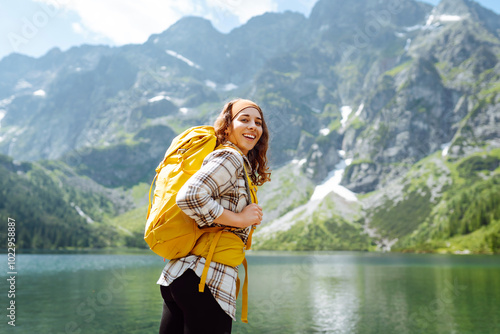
246, 125
220, 194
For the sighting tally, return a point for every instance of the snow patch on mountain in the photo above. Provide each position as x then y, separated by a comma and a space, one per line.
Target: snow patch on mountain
159, 98
184, 59
332, 184
345, 111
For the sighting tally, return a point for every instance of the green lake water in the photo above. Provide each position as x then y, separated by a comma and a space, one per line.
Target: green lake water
333, 292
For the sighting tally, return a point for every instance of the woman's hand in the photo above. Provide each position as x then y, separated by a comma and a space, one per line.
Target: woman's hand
251, 215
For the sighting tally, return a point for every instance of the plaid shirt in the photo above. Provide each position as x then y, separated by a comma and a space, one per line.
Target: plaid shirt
219, 184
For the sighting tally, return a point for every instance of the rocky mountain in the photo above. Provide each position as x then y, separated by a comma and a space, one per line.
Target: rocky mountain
382, 114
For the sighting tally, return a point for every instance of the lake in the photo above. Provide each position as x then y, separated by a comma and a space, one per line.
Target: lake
289, 292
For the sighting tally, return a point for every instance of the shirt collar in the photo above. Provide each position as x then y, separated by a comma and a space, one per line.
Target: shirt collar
245, 158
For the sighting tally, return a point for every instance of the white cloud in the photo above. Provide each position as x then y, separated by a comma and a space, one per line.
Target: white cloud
77, 27
129, 21
244, 9
126, 21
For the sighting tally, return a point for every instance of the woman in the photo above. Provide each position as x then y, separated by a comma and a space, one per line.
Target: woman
217, 195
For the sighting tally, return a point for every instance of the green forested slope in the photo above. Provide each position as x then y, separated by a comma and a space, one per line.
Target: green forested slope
467, 218
45, 199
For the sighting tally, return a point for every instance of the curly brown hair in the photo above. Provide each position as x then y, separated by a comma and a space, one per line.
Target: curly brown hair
258, 155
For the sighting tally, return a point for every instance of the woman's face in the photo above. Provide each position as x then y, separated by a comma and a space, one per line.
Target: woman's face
246, 129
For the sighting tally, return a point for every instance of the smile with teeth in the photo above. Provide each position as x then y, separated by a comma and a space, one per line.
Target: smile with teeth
252, 137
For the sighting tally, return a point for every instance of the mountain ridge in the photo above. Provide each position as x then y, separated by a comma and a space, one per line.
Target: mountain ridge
379, 95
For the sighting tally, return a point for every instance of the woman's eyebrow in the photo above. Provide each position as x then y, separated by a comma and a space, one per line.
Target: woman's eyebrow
248, 115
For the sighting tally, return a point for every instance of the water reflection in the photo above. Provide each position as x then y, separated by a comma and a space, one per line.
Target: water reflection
288, 293
335, 298
375, 293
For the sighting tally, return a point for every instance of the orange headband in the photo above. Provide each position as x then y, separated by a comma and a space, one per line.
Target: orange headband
242, 104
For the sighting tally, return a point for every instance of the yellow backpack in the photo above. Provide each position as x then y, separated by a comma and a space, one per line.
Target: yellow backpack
169, 232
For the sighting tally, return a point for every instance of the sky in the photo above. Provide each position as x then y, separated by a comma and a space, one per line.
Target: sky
33, 27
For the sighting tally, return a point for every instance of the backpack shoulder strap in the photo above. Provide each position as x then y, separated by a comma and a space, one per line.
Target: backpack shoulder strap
251, 188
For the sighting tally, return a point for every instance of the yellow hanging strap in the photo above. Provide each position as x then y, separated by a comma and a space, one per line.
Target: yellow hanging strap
203, 278
237, 286
249, 240
244, 301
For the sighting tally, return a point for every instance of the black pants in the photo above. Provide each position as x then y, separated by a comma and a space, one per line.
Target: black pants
188, 311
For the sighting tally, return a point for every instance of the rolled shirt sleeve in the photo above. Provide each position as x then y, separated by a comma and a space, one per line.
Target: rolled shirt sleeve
217, 176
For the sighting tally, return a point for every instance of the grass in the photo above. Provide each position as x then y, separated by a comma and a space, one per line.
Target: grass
323, 230
472, 165
458, 168
493, 88
356, 123
133, 220
485, 240
140, 191
398, 69
288, 181
396, 220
